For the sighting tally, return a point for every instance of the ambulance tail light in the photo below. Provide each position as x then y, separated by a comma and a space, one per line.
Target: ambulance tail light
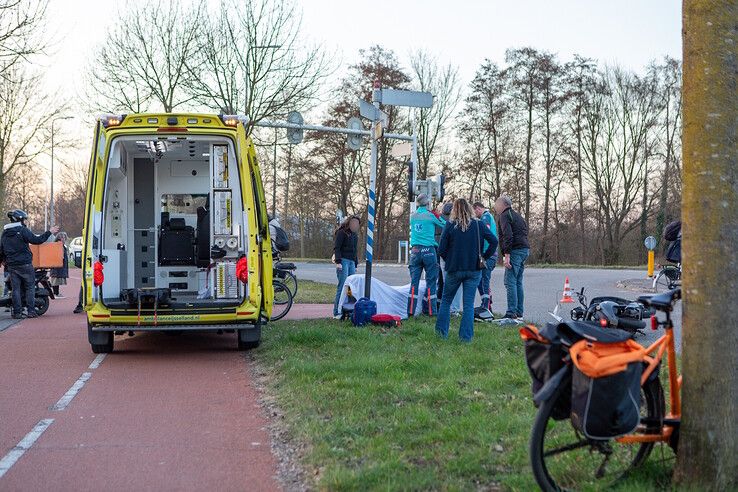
98, 277
109, 120
242, 269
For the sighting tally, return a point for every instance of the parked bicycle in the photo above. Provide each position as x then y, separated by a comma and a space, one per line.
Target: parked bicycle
669, 277
284, 271
592, 428
282, 300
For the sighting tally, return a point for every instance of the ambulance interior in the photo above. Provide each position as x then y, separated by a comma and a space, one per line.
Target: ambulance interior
172, 219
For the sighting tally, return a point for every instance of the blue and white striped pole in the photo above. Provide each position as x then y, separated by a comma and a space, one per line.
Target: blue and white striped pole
371, 209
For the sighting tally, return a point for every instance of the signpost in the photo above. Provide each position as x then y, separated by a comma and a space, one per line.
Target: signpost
355, 131
379, 120
650, 244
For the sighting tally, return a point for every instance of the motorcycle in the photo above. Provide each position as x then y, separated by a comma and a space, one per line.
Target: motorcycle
612, 311
44, 292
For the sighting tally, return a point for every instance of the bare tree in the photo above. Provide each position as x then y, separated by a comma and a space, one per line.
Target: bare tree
524, 70
252, 59
143, 62
24, 114
443, 83
21, 23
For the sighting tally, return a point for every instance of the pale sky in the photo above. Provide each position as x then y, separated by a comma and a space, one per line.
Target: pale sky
464, 32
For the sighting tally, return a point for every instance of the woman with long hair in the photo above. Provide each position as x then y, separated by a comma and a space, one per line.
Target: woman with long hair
462, 250
345, 244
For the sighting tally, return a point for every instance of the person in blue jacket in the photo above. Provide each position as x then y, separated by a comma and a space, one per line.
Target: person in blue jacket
423, 255
461, 249
484, 286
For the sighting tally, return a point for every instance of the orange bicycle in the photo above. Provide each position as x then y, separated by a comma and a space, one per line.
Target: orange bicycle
566, 450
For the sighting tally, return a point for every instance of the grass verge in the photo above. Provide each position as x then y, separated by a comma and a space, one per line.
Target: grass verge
309, 292
403, 410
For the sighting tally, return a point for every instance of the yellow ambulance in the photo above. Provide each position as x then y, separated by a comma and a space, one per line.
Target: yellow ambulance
176, 235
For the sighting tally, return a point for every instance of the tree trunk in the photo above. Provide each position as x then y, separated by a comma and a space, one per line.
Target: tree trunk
529, 143
708, 446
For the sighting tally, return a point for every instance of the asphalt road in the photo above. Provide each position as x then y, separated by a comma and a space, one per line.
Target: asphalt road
159, 413
543, 286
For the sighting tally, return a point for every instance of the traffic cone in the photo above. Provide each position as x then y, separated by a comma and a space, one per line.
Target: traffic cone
566, 298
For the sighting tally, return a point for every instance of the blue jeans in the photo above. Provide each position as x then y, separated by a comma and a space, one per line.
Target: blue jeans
514, 281
468, 281
23, 282
348, 268
484, 284
423, 258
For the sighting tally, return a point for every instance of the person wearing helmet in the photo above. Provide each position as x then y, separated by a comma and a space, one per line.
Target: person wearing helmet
18, 259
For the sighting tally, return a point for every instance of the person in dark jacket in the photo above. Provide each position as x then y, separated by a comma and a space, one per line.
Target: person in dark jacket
515, 248
461, 247
673, 233
18, 259
345, 255
59, 275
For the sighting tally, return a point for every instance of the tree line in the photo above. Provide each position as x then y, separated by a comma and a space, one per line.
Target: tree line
589, 153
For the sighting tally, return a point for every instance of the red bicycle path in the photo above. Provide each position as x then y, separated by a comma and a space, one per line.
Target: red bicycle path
160, 413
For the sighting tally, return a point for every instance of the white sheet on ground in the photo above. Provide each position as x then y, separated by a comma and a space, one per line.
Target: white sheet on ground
390, 299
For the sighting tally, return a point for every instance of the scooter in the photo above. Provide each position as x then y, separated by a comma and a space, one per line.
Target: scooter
44, 292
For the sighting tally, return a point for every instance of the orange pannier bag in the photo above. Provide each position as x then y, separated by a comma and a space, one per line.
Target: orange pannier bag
606, 388
598, 360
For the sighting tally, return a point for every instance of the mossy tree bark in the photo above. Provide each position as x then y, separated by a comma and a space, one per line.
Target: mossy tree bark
708, 449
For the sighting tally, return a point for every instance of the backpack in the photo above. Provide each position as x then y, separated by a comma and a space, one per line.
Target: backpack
280, 239
364, 309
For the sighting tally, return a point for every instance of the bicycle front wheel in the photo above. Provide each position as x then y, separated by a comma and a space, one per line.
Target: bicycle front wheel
563, 459
290, 280
282, 300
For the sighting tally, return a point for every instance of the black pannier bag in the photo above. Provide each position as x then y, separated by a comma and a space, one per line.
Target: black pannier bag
606, 388
544, 356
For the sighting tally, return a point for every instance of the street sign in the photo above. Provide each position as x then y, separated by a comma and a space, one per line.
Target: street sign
401, 149
294, 135
353, 142
413, 99
650, 243
368, 111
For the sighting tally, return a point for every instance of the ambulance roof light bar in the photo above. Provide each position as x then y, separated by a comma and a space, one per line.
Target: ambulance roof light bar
109, 120
233, 119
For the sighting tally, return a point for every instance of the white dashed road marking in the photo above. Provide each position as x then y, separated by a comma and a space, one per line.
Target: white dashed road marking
24, 445
72, 392
98, 360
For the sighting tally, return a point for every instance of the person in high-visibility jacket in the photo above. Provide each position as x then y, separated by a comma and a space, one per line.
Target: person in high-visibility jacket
423, 256
482, 213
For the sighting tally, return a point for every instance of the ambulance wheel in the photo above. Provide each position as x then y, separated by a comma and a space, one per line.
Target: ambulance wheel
100, 341
249, 338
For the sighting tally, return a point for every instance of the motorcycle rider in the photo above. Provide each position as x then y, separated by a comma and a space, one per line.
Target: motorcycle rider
18, 259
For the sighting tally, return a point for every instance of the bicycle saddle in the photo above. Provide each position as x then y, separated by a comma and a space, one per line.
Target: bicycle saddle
577, 330
281, 265
662, 302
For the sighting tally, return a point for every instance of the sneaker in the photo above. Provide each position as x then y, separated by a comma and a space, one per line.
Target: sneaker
19, 316
59, 296
31, 315
337, 316
78, 309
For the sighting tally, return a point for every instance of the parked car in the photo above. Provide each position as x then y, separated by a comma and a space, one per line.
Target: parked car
75, 249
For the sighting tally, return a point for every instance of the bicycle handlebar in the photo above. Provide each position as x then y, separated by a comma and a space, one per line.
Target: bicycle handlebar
630, 324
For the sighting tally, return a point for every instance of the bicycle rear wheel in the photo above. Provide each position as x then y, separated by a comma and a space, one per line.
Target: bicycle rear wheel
563, 459
282, 300
666, 279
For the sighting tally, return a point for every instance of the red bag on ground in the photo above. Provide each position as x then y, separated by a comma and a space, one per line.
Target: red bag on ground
386, 320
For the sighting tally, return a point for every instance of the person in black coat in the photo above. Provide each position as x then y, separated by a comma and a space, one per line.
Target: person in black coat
18, 259
516, 249
345, 246
462, 249
59, 275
